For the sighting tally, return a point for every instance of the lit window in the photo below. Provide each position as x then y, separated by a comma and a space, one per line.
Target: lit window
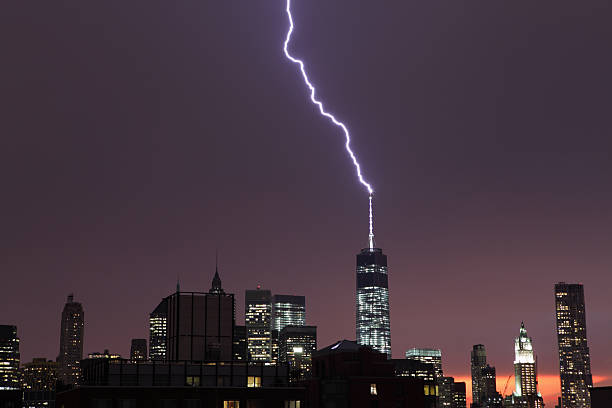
373, 389
293, 404
193, 381
253, 382
231, 404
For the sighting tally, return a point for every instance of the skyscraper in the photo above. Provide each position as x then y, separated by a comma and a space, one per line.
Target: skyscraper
201, 325
9, 358
258, 321
525, 373
297, 343
71, 342
478, 362
288, 310
373, 323
158, 325
138, 349
574, 357
38, 382
431, 356
240, 343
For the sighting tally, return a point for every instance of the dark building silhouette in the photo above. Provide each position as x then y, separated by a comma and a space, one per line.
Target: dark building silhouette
373, 320
483, 377
601, 397
220, 384
240, 343
158, 331
138, 349
258, 322
38, 382
71, 342
425, 371
201, 325
296, 346
9, 358
346, 374
574, 355
459, 395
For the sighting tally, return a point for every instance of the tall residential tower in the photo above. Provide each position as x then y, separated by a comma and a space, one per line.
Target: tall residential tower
574, 358
373, 323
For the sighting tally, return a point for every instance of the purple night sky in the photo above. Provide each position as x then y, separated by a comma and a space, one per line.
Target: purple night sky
137, 137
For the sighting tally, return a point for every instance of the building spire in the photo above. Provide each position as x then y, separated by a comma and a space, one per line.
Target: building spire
216, 282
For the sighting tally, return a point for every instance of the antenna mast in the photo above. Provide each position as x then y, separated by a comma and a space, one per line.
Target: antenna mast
371, 235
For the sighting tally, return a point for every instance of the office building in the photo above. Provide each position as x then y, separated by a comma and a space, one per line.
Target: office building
459, 395
71, 342
426, 355
9, 358
138, 349
182, 384
240, 343
574, 356
158, 336
104, 355
201, 325
38, 382
346, 374
288, 310
296, 345
601, 397
258, 322
372, 301
478, 361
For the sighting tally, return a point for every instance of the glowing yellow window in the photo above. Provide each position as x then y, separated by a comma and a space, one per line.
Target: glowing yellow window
254, 382
231, 404
373, 389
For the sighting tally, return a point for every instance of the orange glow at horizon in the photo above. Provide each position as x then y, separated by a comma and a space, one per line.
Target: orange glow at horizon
549, 385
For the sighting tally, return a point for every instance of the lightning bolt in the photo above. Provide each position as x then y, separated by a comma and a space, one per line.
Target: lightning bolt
319, 104
331, 117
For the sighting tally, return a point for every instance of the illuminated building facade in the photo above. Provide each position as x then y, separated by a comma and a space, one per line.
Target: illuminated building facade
38, 382
201, 325
296, 345
373, 323
288, 310
9, 358
525, 370
158, 325
258, 322
525, 374
71, 342
574, 356
39, 375
434, 358
138, 349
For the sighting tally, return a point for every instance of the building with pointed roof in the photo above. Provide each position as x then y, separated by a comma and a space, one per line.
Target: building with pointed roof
525, 374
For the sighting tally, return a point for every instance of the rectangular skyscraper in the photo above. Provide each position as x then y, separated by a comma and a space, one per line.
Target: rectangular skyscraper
158, 325
297, 343
200, 326
71, 342
258, 322
373, 323
574, 357
478, 363
9, 358
288, 310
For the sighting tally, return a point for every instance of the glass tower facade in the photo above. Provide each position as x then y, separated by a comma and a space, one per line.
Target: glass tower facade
258, 322
9, 358
158, 325
574, 357
373, 323
288, 310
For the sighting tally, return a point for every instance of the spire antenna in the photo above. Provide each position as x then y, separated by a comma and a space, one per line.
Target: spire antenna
371, 235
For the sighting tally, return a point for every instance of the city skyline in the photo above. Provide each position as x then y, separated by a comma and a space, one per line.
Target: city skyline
133, 151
